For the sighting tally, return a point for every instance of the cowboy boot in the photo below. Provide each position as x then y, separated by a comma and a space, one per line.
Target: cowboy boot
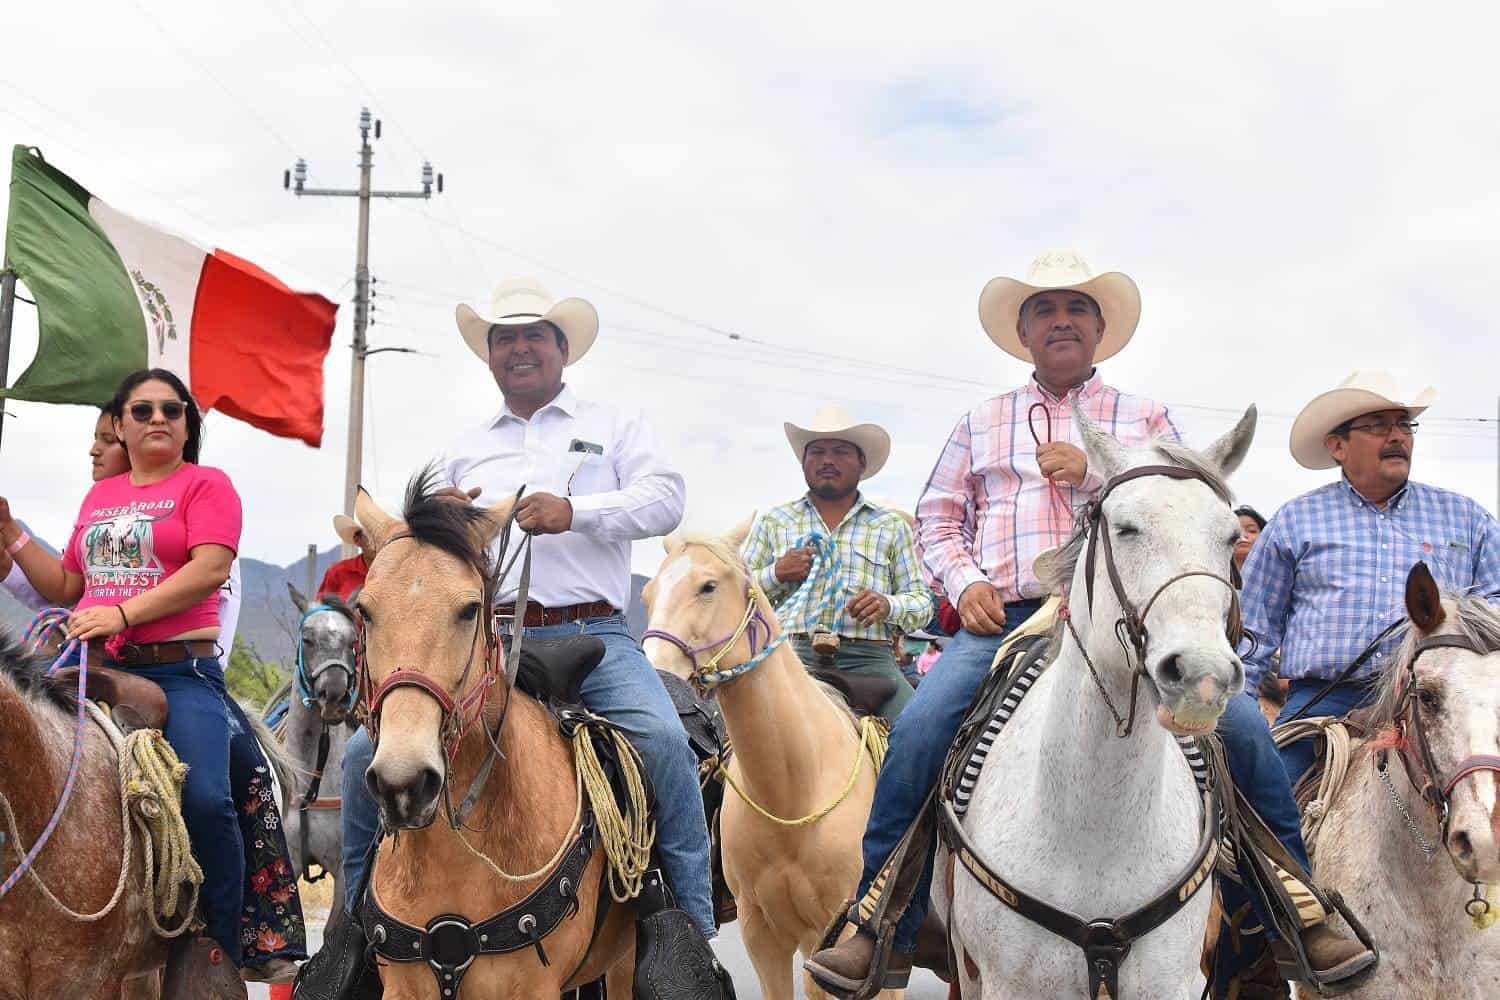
844, 968
1335, 960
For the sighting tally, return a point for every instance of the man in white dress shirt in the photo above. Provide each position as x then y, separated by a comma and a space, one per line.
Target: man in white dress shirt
596, 480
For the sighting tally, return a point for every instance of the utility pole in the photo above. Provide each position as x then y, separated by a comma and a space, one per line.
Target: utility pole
312, 573
295, 180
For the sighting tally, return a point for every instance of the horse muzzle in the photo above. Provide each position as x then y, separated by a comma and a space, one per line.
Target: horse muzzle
1194, 688
1473, 842
406, 791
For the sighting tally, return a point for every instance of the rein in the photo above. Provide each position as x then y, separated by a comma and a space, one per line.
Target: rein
1130, 627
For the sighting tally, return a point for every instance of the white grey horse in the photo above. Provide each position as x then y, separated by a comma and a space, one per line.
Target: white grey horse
1065, 809
318, 722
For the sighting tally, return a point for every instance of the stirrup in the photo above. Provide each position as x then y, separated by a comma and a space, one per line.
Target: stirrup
880, 961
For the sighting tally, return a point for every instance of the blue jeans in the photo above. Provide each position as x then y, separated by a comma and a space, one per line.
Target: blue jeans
920, 740
624, 688
1342, 700
198, 729
1261, 777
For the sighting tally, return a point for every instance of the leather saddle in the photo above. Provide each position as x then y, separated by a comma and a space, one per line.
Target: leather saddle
134, 701
864, 694
553, 670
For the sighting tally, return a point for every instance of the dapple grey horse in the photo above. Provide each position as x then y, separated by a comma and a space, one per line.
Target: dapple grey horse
318, 722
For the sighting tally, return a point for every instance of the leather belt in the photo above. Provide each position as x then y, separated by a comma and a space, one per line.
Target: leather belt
150, 654
537, 616
807, 637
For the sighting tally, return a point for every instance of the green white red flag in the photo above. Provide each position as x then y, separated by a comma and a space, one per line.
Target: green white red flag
115, 294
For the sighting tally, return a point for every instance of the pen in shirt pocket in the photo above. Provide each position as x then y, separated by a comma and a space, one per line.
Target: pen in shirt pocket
583, 449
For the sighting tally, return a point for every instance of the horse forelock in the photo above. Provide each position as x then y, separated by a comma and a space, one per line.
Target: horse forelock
446, 524
27, 673
1469, 615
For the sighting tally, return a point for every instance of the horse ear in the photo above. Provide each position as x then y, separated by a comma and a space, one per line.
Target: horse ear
1229, 451
1106, 456
736, 535
298, 600
377, 524
1424, 605
672, 543
497, 516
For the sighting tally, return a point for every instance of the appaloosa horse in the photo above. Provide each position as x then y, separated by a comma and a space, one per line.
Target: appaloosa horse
446, 724
792, 858
1082, 805
1424, 784
107, 948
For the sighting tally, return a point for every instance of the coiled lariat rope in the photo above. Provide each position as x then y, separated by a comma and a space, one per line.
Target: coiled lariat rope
625, 836
150, 778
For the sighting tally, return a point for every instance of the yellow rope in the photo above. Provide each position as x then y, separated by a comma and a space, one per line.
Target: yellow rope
151, 779
550, 862
626, 836
873, 739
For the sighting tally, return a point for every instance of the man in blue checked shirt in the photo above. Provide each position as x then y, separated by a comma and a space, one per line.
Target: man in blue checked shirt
879, 590
1326, 580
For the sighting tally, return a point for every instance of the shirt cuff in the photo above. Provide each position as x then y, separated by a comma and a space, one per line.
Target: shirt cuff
767, 579
587, 512
960, 580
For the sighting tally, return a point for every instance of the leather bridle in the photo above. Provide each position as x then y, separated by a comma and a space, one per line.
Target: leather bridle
1424, 773
1130, 627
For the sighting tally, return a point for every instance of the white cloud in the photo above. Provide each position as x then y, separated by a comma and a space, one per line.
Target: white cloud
1298, 191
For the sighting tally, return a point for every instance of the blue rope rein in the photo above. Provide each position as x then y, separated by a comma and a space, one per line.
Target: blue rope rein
42, 627
800, 611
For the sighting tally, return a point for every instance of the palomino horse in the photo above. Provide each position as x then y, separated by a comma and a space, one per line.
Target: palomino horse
1080, 804
44, 952
1425, 782
798, 754
319, 721
439, 704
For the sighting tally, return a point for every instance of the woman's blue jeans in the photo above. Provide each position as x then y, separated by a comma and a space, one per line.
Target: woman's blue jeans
198, 730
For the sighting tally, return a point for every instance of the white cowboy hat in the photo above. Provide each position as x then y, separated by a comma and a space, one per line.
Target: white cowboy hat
833, 422
1118, 297
522, 301
346, 527
1360, 393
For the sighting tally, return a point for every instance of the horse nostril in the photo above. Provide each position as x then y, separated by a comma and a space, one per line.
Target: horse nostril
1170, 670
1461, 845
429, 784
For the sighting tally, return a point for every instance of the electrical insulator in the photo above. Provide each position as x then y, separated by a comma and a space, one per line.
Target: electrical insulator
364, 119
299, 173
426, 176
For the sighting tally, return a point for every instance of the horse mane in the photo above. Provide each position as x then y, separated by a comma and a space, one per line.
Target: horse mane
27, 673
726, 554
1057, 571
439, 521
1473, 616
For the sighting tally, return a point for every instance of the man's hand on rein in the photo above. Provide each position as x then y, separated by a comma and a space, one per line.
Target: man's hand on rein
1063, 461
544, 514
793, 566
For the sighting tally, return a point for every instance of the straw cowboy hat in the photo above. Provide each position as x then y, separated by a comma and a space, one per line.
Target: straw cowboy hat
1118, 297
522, 301
833, 422
1360, 393
346, 527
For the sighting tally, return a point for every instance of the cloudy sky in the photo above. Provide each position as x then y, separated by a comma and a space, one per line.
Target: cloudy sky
1298, 193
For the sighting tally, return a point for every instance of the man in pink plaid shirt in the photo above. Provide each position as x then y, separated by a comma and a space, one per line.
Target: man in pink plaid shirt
1003, 492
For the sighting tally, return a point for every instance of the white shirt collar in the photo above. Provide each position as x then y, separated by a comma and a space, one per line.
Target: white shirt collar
564, 401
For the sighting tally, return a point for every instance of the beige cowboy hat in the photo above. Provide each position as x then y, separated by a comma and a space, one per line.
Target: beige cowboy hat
1118, 297
522, 301
1360, 393
346, 527
834, 422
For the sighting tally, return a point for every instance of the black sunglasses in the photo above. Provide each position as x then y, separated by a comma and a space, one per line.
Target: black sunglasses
171, 409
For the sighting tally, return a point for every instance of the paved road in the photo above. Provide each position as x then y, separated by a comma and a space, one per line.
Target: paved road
731, 951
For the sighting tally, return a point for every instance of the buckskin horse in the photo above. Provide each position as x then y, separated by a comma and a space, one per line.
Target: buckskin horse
1082, 813
93, 862
1424, 782
447, 727
800, 756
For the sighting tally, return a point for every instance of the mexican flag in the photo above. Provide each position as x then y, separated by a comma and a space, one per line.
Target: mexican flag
115, 294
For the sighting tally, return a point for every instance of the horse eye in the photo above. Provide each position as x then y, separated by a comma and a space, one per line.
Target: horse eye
1126, 531
709, 587
1430, 699
470, 612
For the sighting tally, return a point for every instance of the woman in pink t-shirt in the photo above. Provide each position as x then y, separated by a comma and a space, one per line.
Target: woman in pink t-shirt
149, 551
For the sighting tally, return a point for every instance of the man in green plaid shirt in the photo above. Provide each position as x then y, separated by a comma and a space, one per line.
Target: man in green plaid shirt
879, 591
